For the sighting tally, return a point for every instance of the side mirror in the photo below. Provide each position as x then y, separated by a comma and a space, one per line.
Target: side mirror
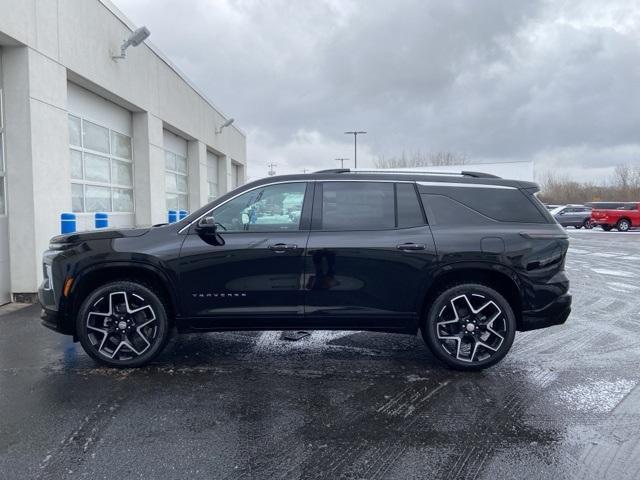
207, 226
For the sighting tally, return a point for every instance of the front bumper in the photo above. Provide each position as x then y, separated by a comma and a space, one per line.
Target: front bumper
555, 313
51, 315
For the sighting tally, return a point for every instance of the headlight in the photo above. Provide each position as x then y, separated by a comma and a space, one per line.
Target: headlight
60, 246
48, 277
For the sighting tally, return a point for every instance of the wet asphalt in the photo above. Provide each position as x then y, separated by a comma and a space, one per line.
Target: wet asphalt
565, 403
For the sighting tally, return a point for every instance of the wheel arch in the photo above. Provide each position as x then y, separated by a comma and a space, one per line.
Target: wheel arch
625, 218
498, 277
92, 277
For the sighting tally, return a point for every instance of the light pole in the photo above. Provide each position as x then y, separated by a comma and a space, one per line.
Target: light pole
355, 145
342, 160
272, 170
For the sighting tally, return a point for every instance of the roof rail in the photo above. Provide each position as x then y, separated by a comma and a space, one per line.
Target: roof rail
333, 170
464, 173
478, 174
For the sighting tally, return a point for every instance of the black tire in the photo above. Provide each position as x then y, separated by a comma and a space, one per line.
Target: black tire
623, 225
587, 224
606, 228
127, 320
487, 303
577, 227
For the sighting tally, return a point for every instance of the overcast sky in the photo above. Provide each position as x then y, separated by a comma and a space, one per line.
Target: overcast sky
553, 81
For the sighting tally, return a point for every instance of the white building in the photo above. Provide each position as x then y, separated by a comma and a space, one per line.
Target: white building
82, 132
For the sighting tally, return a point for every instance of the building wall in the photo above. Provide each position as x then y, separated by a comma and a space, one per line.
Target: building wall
56, 58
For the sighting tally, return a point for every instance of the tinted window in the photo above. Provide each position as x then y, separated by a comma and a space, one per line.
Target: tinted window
409, 210
502, 204
357, 206
272, 208
443, 210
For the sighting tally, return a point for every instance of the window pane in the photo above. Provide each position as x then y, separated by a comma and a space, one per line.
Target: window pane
121, 173
446, 211
77, 197
75, 134
213, 190
98, 199
120, 145
181, 164
181, 183
96, 168
504, 205
172, 201
357, 206
170, 182
95, 137
183, 202
169, 160
76, 164
409, 211
122, 200
273, 208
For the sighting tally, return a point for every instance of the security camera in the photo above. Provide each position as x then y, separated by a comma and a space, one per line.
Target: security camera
138, 36
225, 125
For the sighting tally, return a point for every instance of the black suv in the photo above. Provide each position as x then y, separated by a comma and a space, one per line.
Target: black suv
466, 259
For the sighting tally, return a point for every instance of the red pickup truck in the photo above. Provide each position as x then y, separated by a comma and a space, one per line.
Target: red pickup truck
622, 216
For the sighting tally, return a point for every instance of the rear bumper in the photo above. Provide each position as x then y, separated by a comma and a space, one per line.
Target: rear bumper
555, 313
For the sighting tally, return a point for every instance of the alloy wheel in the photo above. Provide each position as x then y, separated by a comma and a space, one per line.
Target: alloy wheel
121, 326
471, 328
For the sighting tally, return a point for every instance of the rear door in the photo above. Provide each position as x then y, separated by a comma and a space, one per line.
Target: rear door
369, 255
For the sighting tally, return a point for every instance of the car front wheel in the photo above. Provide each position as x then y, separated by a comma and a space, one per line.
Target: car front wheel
469, 327
123, 324
587, 224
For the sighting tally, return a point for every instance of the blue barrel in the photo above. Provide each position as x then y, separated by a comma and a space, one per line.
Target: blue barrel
102, 220
173, 216
67, 223
182, 214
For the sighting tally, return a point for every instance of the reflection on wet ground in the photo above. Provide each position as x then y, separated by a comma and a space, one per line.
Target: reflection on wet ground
563, 404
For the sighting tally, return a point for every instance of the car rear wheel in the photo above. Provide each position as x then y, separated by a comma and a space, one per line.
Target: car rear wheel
469, 327
123, 324
623, 225
577, 227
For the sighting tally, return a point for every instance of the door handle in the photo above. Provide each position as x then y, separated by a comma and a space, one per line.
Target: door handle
282, 247
411, 246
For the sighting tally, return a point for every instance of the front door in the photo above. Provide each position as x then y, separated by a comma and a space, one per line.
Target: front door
250, 274
370, 255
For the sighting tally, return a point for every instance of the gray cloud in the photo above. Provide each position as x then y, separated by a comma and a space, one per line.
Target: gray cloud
544, 80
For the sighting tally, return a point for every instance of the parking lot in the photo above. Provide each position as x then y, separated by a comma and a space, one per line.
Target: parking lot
565, 403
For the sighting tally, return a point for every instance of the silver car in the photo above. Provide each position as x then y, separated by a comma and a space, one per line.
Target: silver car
577, 216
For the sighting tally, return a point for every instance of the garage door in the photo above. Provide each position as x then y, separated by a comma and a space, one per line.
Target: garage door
102, 164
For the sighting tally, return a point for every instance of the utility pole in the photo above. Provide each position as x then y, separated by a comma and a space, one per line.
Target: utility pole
305, 170
355, 145
271, 166
342, 160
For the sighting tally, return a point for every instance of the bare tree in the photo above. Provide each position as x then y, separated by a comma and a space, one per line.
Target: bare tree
421, 159
623, 186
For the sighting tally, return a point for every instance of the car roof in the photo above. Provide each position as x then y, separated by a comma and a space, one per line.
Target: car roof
464, 177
